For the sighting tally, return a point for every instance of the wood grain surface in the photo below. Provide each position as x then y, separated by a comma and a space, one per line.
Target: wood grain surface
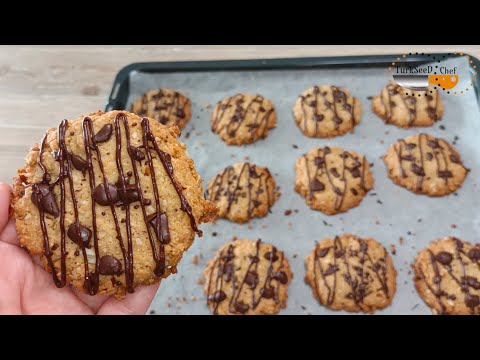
41, 85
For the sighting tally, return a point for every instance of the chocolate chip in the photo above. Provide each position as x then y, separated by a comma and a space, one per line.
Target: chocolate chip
78, 163
43, 198
251, 279
316, 185
410, 146
180, 113
322, 252
100, 195
271, 255
433, 144
472, 282
474, 254
217, 296
417, 170
79, 234
104, 134
137, 154
337, 191
267, 293
241, 307
163, 120
110, 265
354, 191
318, 118
444, 174
472, 301
319, 161
429, 156
130, 194
355, 172
334, 172
408, 158
164, 230
280, 276
444, 258
454, 159
331, 270
326, 150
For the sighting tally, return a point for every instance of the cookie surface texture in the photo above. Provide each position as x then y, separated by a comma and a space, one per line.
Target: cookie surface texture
447, 276
247, 277
326, 111
110, 201
242, 191
167, 106
243, 119
332, 180
425, 165
351, 273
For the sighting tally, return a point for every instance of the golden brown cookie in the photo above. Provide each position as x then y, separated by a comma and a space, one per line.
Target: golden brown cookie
425, 165
332, 180
243, 119
396, 105
447, 276
110, 201
326, 111
350, 273
242, 191
247, 277
167, 106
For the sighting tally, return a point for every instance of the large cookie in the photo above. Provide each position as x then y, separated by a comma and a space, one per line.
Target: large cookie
247, 277
447, 276
332, 180
243, 119
425, 165
394, 106
242, 191
167, 106
326, 111
351, 273
110, 201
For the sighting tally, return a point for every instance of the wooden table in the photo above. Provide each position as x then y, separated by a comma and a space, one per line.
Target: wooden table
41, 85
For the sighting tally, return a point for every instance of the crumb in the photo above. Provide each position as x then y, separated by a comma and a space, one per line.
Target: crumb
303, 307
246, 158
233, 156
414, 307
371, 164
294, 256
442, 127
379, 202
369, 97
250, 226
187, 135
393, 250
373, 194
455, 194
264, 226
234, 238
296, 211
387, 132
208, 106
295, 146
177, 299
409, 272
195, 260
453, 226
214, 233
419, 220
152, 312
409, 233
288, 212
377, 222
184, 299
193, 298
400, 241
200, 281
198, 117
382, 142
169, 305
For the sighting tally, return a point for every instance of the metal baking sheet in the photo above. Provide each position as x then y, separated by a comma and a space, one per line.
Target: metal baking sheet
387, 213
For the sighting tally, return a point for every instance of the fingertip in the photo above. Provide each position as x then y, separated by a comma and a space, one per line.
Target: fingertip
5, 191
133, 304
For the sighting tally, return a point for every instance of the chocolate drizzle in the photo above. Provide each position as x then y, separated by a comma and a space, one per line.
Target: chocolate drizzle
455, 265
350, 263
123, 194
249, 182
427, 148
330, 100
252, 115
163, 105
410, 103
322, 176
227, 279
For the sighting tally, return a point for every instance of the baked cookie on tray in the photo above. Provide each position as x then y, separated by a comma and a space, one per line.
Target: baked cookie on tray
247, 277
332, 180
447, 276
167, 106
243, 119
110, 201
425, 165
242, 191
326, 111
396, 106
351, 273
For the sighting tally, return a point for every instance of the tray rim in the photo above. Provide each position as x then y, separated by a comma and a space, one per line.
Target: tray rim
119, 90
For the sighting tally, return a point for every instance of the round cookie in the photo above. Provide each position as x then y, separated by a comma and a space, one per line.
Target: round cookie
350, 273
447, 276
326, 111
111, 201
332, 180
394, 106
242, 191
247, 277
425, 165
167, 106
243, 119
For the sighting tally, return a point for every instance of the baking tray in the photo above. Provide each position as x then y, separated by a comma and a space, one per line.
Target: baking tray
388, 213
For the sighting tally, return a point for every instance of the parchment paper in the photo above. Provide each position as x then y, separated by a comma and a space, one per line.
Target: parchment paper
387, 213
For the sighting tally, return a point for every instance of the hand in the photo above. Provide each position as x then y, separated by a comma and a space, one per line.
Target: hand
26, 288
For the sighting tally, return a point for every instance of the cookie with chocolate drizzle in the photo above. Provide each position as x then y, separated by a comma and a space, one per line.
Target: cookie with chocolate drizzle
247, 277
326, 111
332, 180
447, 276
243, 119
242, 191
425, 165
110, 201
167, 106
396, 106
351, 273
